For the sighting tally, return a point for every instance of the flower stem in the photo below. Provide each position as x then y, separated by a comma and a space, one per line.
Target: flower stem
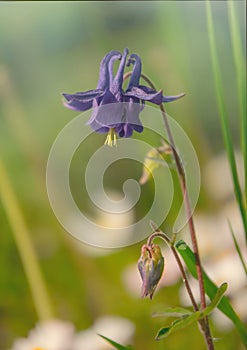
25, 247
183, 186
159, 233
182, 180
203, 323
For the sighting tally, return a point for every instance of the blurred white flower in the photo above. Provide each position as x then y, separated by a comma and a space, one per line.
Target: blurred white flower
107, 222
217, 177
60, 335
50, 335
131, 280
116, 328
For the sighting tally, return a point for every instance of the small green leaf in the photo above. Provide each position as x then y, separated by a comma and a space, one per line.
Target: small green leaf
215, 301
116, 345
173, 312
186, 320
211, 289
178, 324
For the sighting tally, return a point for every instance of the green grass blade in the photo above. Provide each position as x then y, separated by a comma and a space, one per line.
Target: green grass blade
116, 345
211, 289
25, 247
238, 249
239, 61
224, 119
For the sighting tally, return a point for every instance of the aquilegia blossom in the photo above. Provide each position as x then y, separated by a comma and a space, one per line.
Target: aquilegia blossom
115, 111
151, 266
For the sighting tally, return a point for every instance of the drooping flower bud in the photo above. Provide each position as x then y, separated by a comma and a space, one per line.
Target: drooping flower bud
151, 266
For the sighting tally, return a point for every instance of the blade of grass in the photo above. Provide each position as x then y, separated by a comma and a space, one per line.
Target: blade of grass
239, 61
211, 289
224, 118
238, 249
116, 345
25, 247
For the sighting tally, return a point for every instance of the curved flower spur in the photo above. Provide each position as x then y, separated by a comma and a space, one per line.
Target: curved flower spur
122, 116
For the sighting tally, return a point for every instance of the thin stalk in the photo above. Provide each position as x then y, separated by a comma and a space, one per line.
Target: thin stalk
25, 247
182, 180
224, 119
239, 61
159, 233
203, 323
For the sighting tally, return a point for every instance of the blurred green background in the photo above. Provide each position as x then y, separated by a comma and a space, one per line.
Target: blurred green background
53, 47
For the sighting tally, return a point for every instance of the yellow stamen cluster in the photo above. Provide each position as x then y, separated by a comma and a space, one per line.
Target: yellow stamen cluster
111, 139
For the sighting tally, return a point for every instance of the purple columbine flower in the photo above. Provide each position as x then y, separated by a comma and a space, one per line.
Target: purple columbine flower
112, 117
114, 111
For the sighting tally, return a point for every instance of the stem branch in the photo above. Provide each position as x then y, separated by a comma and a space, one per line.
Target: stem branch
182, 180
159, 233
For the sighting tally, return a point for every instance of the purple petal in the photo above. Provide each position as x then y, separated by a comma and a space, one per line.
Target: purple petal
145, 93
77, 105
130, 120
82, 101
109, 113
108, 98
116, 86
137, 127
172, 98
136, 74
83, 95
106, 65
97, 127
124, 130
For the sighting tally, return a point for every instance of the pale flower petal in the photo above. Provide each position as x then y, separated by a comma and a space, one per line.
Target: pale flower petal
116, 328
51, 335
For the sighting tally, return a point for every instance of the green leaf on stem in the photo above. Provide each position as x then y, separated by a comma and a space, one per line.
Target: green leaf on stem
187, 319
173, 312
210, 289
116, 345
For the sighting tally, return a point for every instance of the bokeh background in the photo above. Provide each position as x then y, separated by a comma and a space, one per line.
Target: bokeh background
51, 47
